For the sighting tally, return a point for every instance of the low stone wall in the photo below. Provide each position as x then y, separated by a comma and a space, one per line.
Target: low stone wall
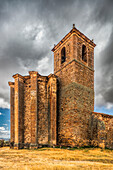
101, 126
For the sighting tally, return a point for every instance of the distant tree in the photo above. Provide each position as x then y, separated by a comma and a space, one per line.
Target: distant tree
7, 143
12, 144
1, 142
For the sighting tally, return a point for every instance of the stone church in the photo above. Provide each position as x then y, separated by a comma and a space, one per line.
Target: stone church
58, 109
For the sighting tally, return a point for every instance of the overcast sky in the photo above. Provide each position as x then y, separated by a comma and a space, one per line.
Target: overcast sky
30, 28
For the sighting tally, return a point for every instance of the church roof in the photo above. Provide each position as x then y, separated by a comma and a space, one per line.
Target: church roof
78, 33
103, 114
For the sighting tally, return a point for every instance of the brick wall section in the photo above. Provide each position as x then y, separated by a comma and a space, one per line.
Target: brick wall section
30, 112
16, 113
84, 75
101, 126
42, 111
12, 116
75, 71
19, 99
27, 106
33, 107
76, 101
75, 46
75, 105
21, 112
52, 111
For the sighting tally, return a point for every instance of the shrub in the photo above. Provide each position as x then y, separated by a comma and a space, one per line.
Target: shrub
1, 143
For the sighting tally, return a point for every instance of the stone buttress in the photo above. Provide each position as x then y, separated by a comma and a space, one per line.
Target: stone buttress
33, 103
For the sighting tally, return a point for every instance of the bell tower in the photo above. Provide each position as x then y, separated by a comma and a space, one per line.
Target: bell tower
73, 52
74, 65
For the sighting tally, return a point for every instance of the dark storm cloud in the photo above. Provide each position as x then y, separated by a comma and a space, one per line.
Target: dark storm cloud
106, 64
28, 30
107, 54
103, 11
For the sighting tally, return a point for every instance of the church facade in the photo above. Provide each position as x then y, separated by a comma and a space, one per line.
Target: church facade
59, 109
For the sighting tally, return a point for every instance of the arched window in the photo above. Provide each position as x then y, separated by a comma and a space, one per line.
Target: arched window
84, 53
63, 55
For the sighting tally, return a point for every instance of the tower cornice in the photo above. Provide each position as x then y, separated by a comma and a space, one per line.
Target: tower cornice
78, 33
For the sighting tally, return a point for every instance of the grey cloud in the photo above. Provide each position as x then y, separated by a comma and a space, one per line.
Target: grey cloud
23, 47
107, 53
106, 84
104, 11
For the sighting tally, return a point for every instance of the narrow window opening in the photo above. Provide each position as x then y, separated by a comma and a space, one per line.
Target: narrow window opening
84, 53
63, 55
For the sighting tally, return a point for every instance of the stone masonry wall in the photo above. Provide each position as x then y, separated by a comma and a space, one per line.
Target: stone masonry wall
42, 111
33, 107
84, 75
76, 72
75, 105
30, 113
101, 126
12, 116
21, 112
18, 111
27, 113
52, 109
76, 101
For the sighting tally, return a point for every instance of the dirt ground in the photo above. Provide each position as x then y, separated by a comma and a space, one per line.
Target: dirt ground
56, 159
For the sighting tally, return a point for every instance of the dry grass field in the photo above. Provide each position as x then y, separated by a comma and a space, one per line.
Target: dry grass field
56, 159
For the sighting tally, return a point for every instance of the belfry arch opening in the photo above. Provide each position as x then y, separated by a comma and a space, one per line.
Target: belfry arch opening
84, 53
63, 55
